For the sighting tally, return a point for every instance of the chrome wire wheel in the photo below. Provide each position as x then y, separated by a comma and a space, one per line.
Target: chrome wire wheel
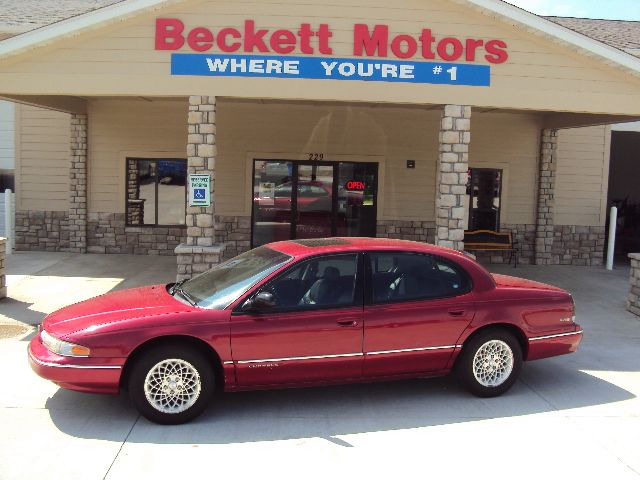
493, 363
172, 386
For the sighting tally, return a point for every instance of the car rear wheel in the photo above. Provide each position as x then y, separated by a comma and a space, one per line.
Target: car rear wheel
171, 385
490, 363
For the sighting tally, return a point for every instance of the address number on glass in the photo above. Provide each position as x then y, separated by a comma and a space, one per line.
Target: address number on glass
316, 157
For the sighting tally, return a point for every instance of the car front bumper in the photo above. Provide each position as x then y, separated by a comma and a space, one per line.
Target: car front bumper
94, 375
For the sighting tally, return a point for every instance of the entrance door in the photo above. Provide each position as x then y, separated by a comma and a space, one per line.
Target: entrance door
313, 200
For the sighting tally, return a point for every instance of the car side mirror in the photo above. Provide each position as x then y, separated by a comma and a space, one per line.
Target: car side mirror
262, 301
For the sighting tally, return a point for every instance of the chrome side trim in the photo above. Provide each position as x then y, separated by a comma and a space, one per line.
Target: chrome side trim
318, 357
286, 359
228, 362
61, 365
421, 349
533, 339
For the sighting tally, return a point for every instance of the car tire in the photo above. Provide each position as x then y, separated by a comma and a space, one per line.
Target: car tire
171, 385
490, 363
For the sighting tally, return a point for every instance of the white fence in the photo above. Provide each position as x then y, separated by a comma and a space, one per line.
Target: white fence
7, 218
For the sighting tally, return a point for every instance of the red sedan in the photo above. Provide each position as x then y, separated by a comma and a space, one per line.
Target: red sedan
306, 312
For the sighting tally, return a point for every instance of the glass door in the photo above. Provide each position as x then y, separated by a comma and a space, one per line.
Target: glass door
313, 205
313, 200
272, 201
357, 192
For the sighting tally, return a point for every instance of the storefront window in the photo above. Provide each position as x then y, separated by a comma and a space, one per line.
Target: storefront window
156, 191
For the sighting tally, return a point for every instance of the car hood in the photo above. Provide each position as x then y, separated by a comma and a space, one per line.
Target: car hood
507, 281
112, 308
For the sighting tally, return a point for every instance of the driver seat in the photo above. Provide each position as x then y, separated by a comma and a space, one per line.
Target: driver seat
325, 290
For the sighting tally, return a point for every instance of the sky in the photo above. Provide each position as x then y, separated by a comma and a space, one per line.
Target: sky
610, 9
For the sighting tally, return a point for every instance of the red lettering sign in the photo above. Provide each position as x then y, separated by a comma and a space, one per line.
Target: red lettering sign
368, 41
354, 185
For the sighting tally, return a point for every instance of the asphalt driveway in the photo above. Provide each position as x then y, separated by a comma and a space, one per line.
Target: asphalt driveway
573, 416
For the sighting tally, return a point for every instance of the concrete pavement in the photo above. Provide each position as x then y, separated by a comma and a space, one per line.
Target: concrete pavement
573, 416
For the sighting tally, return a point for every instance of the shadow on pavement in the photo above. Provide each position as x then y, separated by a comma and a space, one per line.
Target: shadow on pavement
135, 270
20, 311
325, 412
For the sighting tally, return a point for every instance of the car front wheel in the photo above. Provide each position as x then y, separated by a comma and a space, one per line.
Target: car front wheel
490, 363
171, 385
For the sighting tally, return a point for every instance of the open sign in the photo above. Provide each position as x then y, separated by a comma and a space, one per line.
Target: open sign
354, 185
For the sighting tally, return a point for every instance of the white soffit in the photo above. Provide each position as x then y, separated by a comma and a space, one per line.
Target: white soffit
120, 12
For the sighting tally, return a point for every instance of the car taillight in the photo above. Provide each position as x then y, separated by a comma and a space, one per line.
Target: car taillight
573, 309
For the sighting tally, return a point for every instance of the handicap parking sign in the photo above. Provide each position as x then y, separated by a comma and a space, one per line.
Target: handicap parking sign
199, 190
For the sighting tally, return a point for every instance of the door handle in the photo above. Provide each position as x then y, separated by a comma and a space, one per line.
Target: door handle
456, 313
347, 323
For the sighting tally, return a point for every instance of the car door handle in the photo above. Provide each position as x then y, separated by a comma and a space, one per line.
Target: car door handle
456, 313
347, 323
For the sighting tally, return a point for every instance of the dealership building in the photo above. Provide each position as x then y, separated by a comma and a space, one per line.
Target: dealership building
203, 128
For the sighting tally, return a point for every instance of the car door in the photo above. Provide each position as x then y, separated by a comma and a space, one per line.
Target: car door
312, 332
417, 305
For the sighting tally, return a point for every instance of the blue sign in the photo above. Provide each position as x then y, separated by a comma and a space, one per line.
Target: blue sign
330, 68
199, 193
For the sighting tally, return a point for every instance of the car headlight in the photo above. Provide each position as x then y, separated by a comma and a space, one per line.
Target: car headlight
66, 349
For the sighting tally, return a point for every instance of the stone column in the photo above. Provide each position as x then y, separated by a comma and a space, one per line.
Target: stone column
78, 185
3, 278
200, 253
633, 299
452, 173
546, 191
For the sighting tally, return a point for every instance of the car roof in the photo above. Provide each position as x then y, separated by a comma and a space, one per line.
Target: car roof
306, 247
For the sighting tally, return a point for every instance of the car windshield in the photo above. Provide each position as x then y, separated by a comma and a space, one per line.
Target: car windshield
221, 285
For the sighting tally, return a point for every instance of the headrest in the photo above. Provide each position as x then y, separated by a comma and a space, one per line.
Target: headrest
331, 273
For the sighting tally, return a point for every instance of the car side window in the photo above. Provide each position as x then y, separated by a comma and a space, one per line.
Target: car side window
317, 283
397, 276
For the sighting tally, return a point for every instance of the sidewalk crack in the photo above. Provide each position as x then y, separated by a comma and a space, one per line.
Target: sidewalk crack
120, 449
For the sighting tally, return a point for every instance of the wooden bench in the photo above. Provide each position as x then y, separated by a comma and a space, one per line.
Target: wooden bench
490, 241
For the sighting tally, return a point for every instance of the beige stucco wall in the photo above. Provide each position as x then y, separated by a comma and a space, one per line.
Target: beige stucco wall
389, 136
120, 59
121, 128
282, 130
511, 142
582, 176
248, 129
42, 159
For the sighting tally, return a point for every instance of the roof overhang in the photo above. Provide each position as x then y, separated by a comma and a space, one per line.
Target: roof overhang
120, 12
73, 26
552, 31
59, 103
